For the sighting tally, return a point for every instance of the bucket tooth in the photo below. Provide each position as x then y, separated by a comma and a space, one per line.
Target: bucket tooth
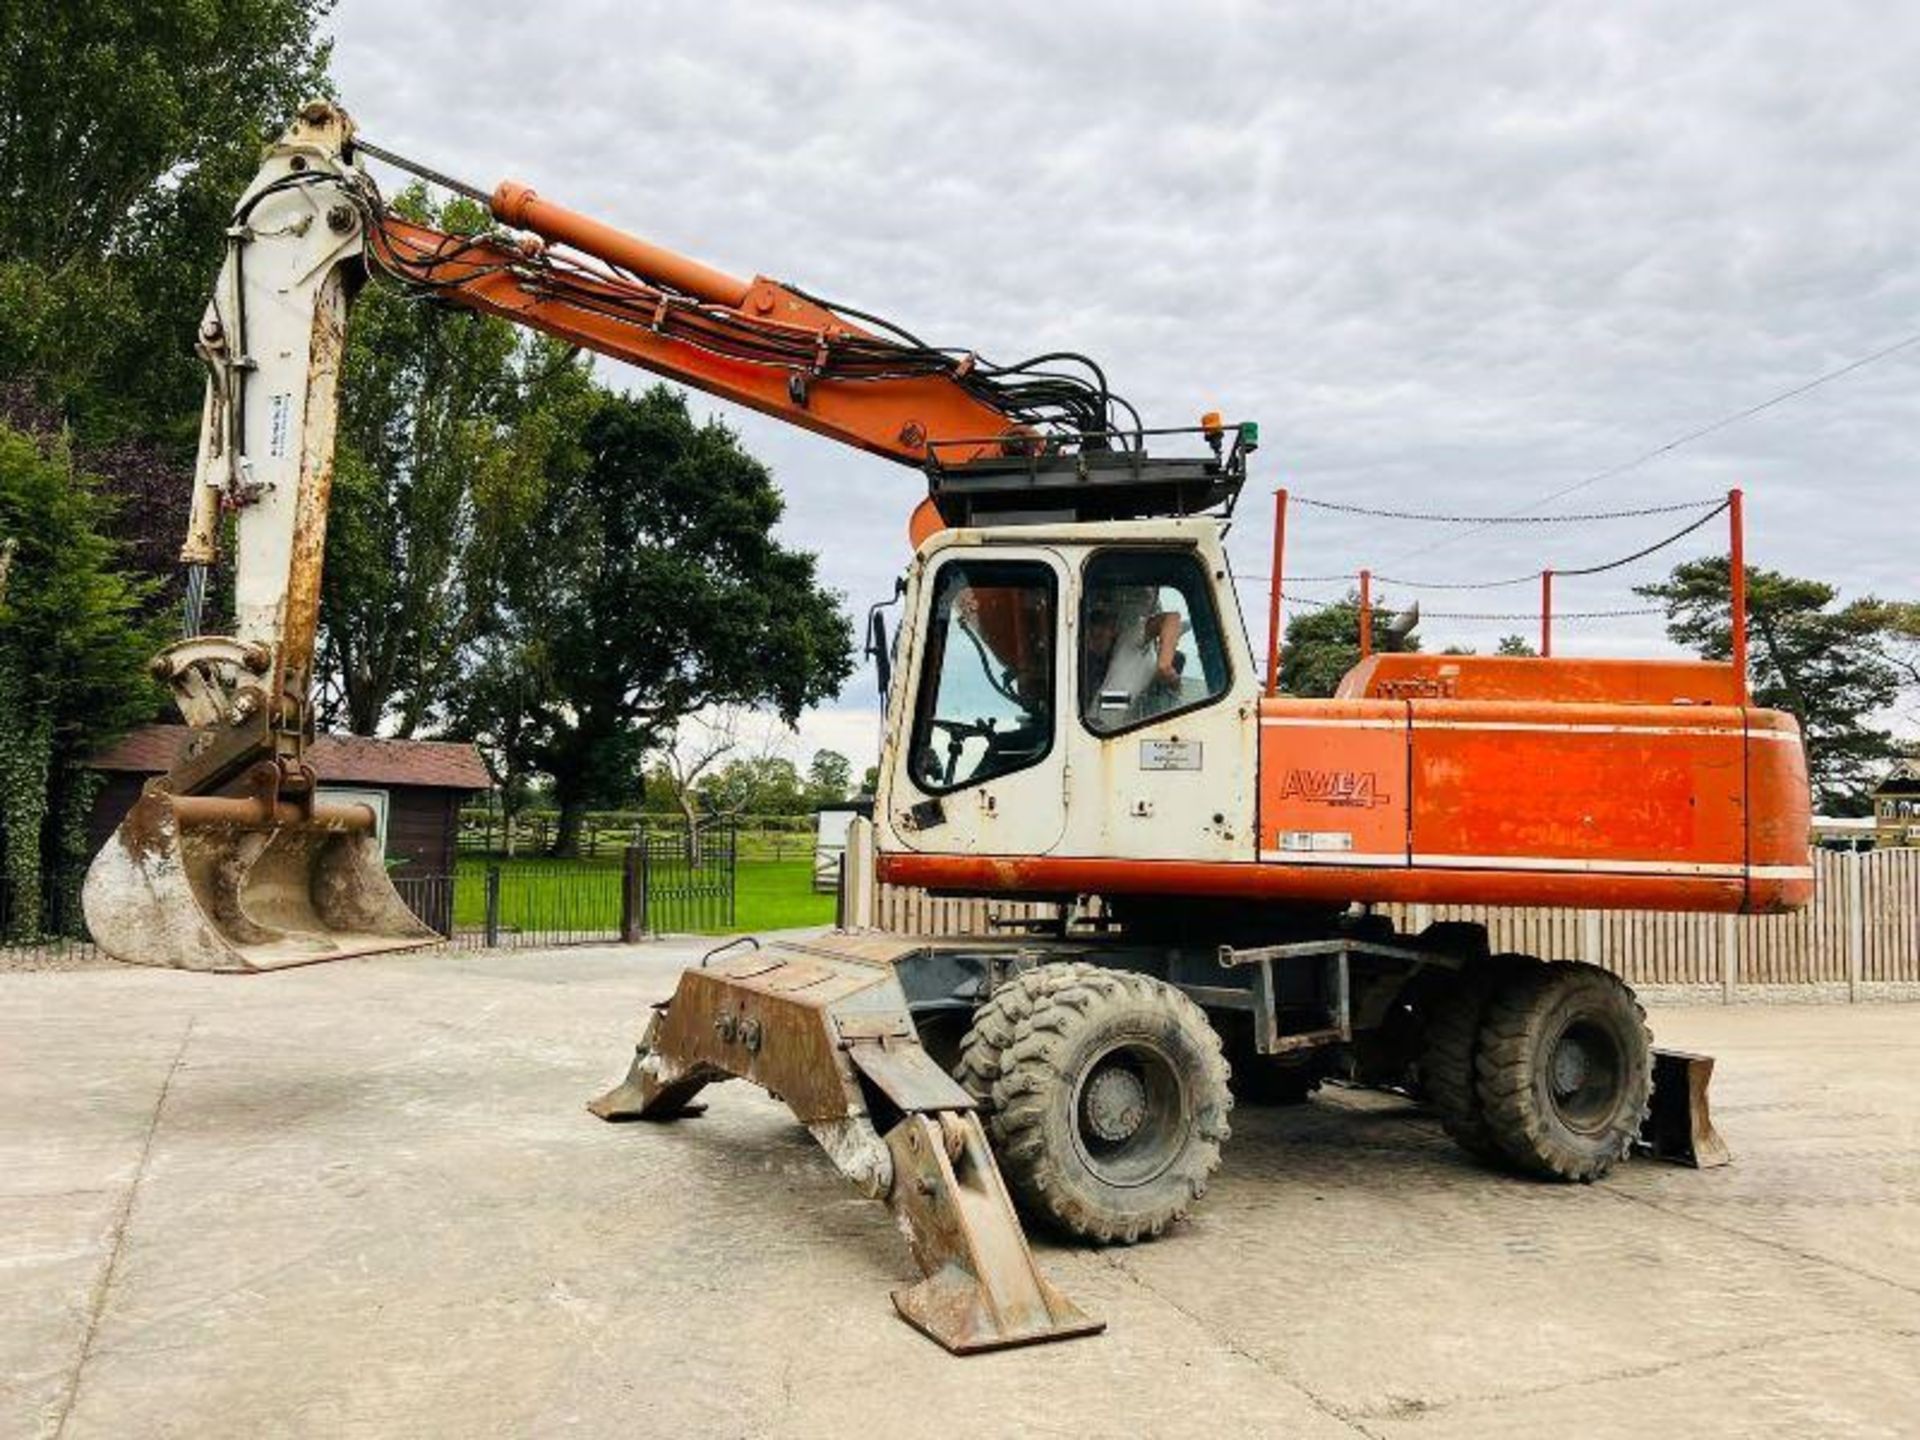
1679, 1125
208, 883
825, 1027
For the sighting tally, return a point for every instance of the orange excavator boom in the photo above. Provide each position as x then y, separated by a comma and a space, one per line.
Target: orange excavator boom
641, 308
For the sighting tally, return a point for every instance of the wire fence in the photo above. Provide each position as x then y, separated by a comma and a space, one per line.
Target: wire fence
667, 883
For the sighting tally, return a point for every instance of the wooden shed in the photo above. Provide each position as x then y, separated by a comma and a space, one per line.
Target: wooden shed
416, 787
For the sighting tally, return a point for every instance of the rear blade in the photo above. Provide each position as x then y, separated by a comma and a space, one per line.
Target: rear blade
1678, 1126
220, 894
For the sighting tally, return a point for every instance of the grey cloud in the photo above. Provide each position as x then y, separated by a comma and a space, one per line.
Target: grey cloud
1450, 257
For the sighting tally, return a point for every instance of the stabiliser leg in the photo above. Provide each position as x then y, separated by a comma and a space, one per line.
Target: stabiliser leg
1679, 1126
824, 1026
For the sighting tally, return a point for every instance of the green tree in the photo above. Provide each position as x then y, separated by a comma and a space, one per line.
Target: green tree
645, 586
829, 778
1822, 662
442, 414
126, 129
754, 785
1323, 644
1514, 645
1902, 629
73, 652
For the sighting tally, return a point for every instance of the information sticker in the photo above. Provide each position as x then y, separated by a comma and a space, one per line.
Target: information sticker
1169, 754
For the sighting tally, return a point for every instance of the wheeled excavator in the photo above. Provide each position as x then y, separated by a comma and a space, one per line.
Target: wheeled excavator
1073, 714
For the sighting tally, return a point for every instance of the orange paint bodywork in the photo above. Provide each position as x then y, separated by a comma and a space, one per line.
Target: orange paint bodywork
1654, 801
900, 418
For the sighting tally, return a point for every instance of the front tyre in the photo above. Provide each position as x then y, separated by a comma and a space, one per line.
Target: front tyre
1564, 1070
1111, 1101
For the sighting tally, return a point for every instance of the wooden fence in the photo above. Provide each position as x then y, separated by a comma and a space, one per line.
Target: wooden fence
1862, 930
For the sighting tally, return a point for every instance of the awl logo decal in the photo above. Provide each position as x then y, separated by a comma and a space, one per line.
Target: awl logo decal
1354, 788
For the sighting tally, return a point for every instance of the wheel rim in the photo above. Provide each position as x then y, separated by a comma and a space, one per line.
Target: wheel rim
1129, 1113
1585, 1068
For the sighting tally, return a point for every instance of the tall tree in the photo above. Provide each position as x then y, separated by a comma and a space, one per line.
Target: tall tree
126, 129
829, 778
441, 410
754, 785
1323, 644
73, 652
1822, 662
1902, 620
647, 585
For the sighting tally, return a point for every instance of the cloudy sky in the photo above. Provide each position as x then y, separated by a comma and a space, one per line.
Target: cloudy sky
1450, 257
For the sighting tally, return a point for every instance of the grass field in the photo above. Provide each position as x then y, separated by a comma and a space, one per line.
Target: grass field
584, 895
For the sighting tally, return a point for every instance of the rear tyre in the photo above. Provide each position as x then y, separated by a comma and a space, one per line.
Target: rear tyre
1564, 1070
1109, 1101
1451, 1045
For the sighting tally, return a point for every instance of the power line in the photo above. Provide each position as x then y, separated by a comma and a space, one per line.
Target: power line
1434, 517
1515, 617
1534, 615
1687, 439
1532, 576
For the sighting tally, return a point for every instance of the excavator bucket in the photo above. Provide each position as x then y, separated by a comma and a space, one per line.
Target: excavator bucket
242, 885
825, 1026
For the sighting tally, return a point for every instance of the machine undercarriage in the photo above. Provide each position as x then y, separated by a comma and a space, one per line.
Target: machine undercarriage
1085, 1078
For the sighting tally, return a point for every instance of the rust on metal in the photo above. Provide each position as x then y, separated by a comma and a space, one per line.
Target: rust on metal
245, 884
825, 1026
1679, 1124
302, 603
982, 1290
909, 1078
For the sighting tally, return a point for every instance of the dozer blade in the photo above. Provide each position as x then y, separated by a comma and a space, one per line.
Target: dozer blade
1679, 1126
824, 1025
207, 883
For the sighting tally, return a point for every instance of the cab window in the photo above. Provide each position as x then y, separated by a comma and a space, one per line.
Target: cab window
986, 701
1150, 641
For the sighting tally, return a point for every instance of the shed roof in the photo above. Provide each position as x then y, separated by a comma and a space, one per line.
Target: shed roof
338, 759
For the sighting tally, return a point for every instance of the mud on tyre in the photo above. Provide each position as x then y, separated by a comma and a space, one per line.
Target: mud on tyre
1563, 1070
1450, 1046
1107, 1096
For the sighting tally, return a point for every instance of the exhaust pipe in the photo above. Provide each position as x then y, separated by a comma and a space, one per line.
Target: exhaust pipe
241, 885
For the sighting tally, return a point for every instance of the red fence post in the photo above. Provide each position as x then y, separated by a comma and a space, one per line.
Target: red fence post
1273, 589
1366, 613
1546, 613
1737, 584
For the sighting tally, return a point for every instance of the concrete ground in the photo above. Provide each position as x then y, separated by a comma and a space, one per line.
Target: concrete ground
365, 1200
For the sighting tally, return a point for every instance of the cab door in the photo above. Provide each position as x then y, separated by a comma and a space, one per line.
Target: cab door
983, 769
1162, 754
